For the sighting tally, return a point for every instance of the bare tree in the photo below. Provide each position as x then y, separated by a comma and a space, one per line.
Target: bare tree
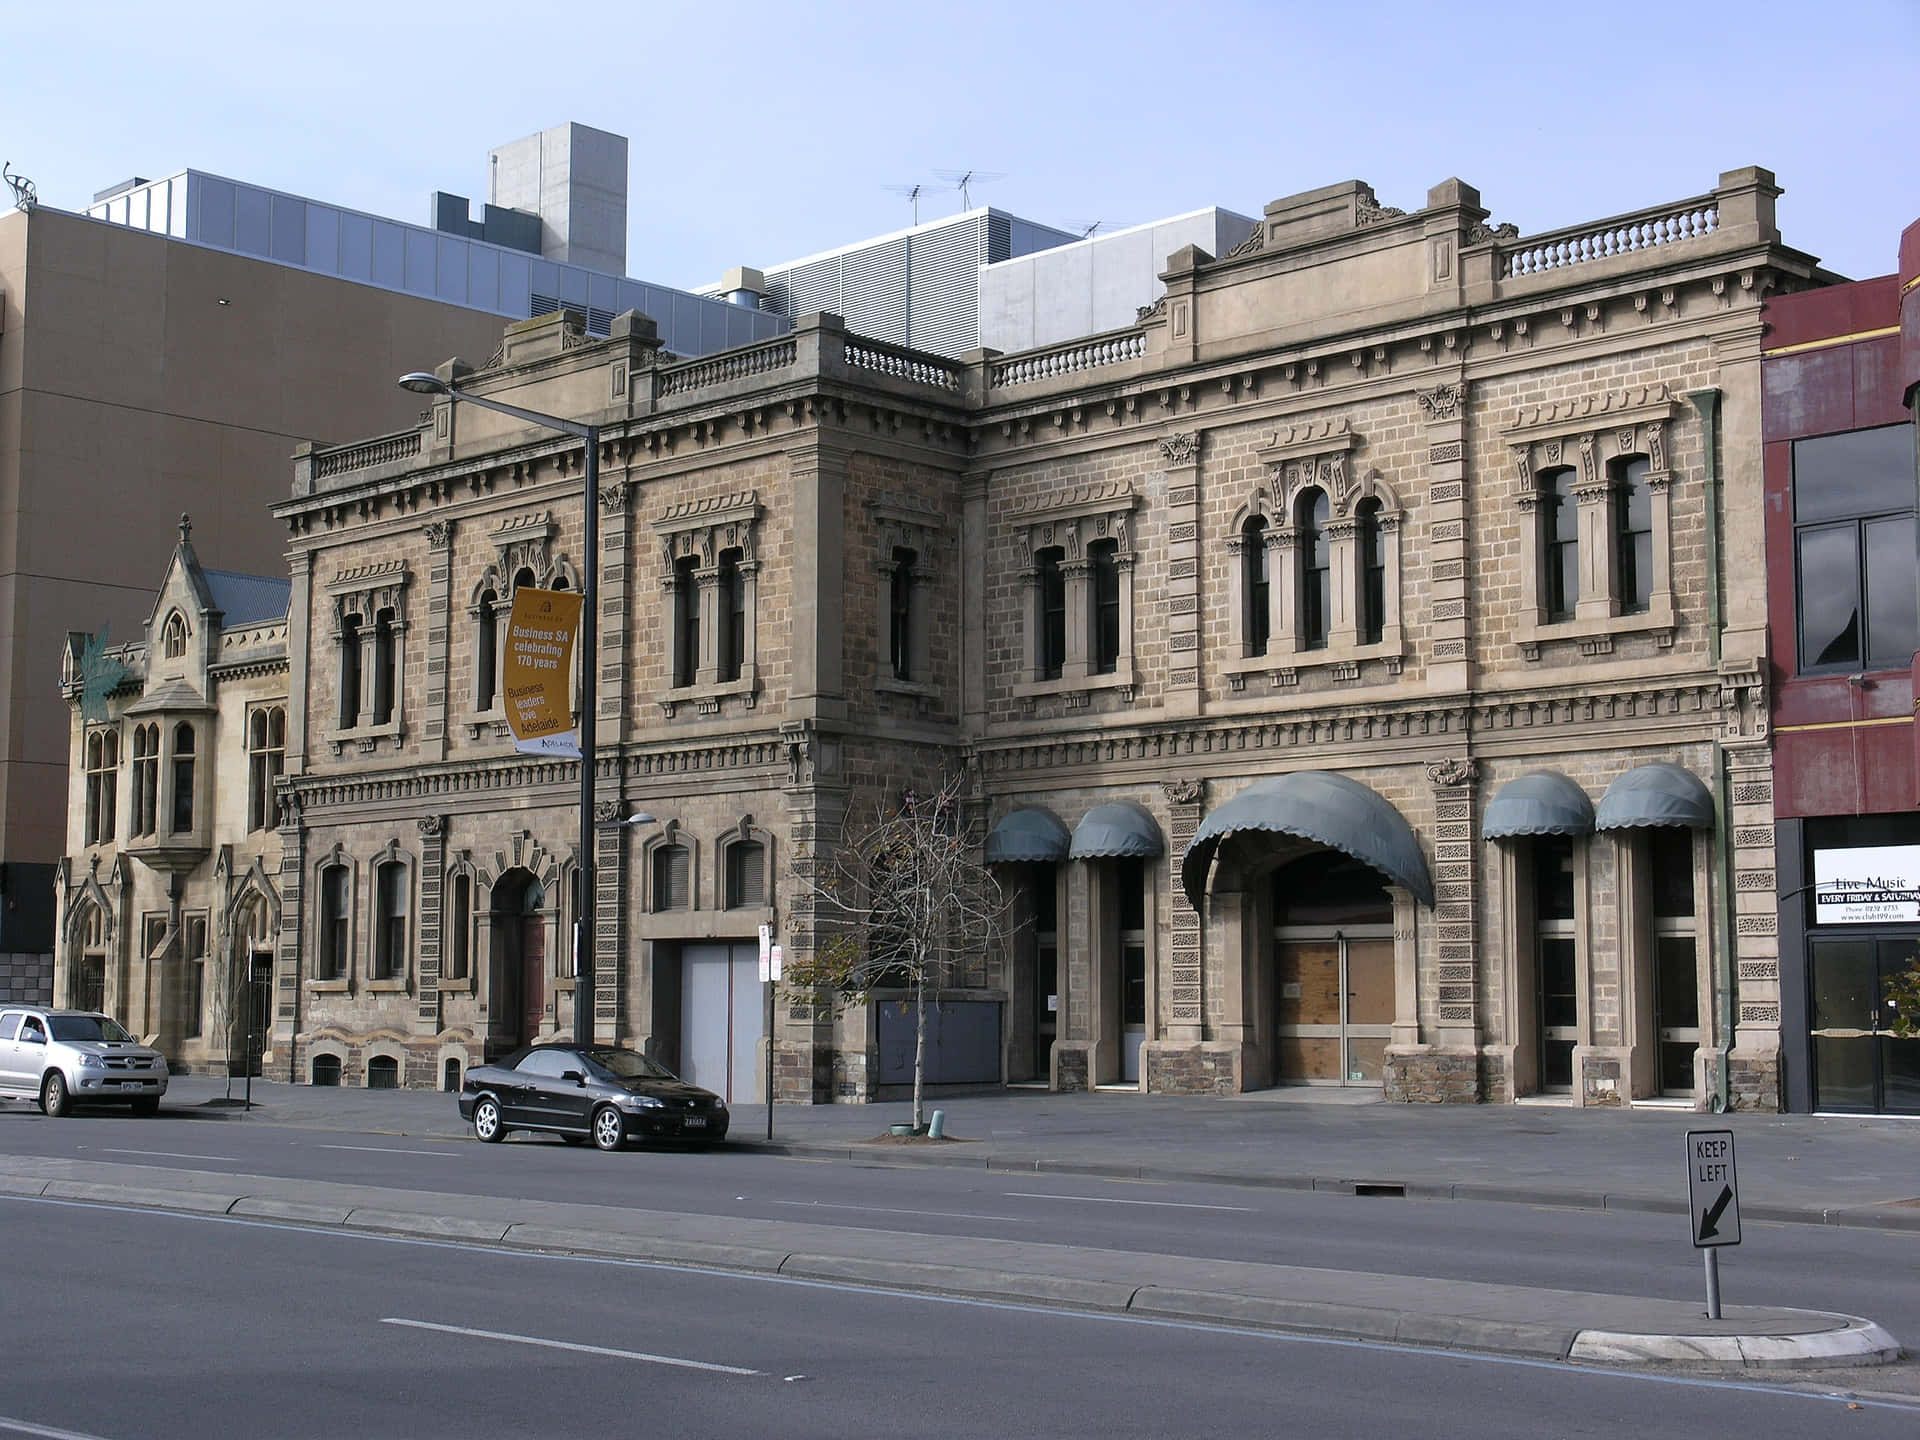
225, 978
901, 901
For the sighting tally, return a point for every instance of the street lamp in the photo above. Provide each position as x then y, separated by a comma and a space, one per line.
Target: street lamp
422, 383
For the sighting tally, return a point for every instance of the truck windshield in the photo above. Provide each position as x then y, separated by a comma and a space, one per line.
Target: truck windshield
88, 1027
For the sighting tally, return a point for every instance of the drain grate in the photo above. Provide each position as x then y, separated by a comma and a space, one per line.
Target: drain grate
1398, 1192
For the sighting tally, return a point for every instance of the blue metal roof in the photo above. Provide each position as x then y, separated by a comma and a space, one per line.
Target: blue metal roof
247, 599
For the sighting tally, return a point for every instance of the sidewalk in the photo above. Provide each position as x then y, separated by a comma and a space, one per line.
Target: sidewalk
1795, 1168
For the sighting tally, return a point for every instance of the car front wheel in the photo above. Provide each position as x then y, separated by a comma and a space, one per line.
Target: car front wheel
54, 1099
486, 1121
609, 1129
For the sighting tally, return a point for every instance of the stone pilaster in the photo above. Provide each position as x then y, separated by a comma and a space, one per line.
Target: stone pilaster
1186, 802
433, 874
609, 916
1180, 454
439, 637
808, 1064
1753, 1065
616, 589
1456, 933
286, 971
1449, 609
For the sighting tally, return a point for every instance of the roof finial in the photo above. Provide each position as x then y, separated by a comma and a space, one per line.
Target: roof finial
186, 527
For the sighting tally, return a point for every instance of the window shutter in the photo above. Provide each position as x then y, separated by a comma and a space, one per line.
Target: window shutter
747, 880
672, 875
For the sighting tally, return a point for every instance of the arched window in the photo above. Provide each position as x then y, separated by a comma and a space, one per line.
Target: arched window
1103, 559
746, 875
450, 1076
460, 929
900, 614
146, 779
326, 1070
349, 671
182, 778
1633, 514
385, 660
733, 615
686, 621
383, 1072
266, 763
391, 894
1316, 573
672, 878
173, 636
103, 782
1052, 600
1559, 543
486, 659
1256, 586
1372, 564
336, 884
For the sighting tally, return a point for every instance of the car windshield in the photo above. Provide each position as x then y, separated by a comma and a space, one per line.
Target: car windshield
629, 1065
88, 1027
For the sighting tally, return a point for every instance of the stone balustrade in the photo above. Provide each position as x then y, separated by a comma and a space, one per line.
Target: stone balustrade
1113, 348
1665, 225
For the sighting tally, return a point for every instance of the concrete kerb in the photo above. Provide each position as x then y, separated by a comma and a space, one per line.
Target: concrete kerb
1858, 1216
1832, 1341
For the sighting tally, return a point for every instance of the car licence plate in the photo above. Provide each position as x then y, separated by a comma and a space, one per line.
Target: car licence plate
131, 1084
695, 1122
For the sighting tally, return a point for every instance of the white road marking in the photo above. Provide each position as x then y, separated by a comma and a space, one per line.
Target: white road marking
888, 1210
1106, 1200
163, 1154
570, 1345
42, 1432
384, 1150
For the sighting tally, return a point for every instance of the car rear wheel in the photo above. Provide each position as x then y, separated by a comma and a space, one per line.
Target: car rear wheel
147, 1105
609, 1128
486, 1120
54, 1099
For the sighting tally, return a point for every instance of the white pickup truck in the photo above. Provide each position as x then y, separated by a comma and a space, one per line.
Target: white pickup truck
66, 1057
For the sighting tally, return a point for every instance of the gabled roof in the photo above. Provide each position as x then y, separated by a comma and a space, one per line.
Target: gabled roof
247, 599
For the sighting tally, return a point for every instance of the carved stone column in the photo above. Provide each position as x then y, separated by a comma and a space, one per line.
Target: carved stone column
1456, 892
1753, 1065
609, 917
1184, 998
618, 622
1180, 454
433, 874
1449, 586
439, 640
287, 967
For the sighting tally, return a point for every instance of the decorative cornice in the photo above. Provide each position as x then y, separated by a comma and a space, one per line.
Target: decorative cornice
1441, 403
371, 577
1320, 437
716, 510
1453, 771
1613, 408
1181, 448
536, 525
1100, 497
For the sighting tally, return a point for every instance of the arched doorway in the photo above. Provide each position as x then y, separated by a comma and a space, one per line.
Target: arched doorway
1332, 971
522, 1008
249, 989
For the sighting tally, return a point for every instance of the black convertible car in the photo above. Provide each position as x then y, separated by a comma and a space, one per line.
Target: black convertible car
597, 1092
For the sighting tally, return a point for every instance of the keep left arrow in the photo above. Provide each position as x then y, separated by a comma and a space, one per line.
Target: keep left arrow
1710, 1222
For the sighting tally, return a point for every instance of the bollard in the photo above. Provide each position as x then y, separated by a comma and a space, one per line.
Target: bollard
937, 1125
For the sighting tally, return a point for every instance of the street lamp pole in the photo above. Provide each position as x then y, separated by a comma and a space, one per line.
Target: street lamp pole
584, 927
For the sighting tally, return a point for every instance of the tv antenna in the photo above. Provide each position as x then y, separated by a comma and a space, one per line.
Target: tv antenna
25, 197
962, 179
912, 194
1087, 229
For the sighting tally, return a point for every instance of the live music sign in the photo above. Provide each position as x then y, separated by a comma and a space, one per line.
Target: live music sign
1713, 1189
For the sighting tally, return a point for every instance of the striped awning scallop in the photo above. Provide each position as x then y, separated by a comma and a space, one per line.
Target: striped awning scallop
1542, 803
1659, 794
1029, 836
1121, 830
1322, 807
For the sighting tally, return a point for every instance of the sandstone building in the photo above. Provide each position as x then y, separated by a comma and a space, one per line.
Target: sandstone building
1359, 665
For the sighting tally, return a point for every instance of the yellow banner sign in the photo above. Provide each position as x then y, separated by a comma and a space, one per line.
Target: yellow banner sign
537, 671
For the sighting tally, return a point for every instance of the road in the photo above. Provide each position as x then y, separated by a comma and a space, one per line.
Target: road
155, 1325
1852, 1271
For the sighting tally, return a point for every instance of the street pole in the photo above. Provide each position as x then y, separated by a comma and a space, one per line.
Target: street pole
586, 932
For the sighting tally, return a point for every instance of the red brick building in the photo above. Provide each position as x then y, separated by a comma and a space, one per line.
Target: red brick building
1839, 373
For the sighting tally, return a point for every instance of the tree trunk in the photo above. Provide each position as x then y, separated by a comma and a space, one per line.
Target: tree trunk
919, 1044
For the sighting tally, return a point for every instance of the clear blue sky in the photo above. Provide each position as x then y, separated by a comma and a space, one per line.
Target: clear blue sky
765, 131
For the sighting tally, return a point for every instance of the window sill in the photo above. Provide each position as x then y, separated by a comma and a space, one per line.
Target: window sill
1078, 690
481, 722
387, 987
707, 699
1284, 668
330, 987
367, 739
460, 986
923, 697
1596, 634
